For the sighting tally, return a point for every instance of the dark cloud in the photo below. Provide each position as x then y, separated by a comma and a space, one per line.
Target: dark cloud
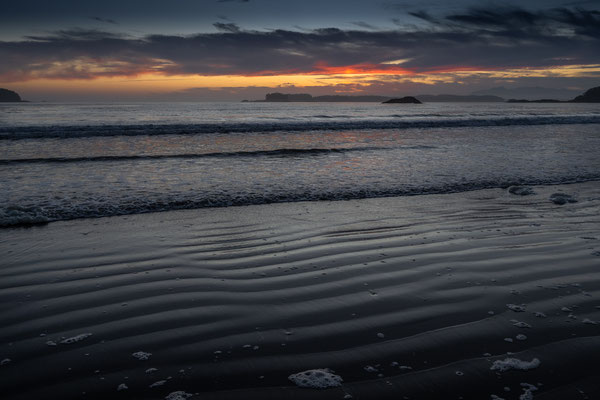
107, 20
520, 22
424, 15
76, 34
362, 24
477, 38
227, 27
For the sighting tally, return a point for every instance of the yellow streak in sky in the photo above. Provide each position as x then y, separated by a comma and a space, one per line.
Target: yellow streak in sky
156, 83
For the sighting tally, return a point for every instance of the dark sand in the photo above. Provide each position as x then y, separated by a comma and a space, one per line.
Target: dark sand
231, 301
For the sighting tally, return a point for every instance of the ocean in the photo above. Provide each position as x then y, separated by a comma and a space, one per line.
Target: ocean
62, 161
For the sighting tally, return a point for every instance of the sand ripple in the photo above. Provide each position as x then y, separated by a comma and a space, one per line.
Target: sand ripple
230, 302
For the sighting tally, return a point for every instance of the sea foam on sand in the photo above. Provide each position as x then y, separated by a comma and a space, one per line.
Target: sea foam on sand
178, 395
141, 355
514, 363
316, 379
76, 339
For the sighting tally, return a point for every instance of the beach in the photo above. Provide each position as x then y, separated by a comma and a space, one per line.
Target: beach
401, 297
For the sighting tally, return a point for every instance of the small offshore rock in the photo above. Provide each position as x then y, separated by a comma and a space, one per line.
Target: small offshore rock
521, 190
562, 198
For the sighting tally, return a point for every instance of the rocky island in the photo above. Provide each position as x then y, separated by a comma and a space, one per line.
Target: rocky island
9, 96
590, 96
404, 100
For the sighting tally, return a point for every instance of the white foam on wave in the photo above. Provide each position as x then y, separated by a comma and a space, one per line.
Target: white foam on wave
514, 363
316, 379
157, 384
21, 215
75, 339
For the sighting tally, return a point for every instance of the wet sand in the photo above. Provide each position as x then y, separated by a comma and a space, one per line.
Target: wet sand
402, 297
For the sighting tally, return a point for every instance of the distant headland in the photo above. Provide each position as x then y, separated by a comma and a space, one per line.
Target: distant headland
305, 97
590, 96
9, 96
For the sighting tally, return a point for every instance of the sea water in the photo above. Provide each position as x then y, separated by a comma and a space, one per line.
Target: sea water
62, 161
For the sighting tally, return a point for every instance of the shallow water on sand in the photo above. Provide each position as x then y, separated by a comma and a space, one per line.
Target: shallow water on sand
403, 296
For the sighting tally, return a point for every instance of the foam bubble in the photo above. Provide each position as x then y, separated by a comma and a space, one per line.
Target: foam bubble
514, 363
528, 391
5, 361
121, 387
141, 355
157, 383
520, 324
516, 308
316, 379
178, 395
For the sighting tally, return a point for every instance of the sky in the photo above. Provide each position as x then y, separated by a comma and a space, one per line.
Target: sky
229, 50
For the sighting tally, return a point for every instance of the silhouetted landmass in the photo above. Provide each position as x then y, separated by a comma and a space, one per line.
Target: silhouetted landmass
339, 98
404, 100
9, 96
528, 93
282, 97
534, 101
590, 96
304, 97
453, 98
288, 97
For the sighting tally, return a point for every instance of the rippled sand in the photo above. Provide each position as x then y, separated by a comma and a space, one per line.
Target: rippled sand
412, 297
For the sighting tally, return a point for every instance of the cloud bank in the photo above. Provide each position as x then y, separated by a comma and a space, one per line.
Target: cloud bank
478, 39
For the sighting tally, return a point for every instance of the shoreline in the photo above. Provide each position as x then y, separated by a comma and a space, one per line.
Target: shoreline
27, 225
239, 298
